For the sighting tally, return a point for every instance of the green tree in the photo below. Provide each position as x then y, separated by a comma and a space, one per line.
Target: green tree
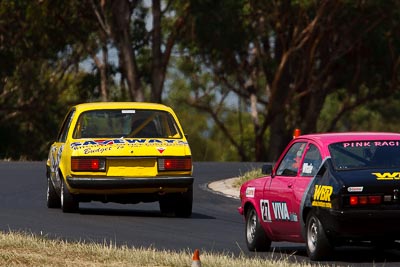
39, 73
45, 43
207, 140
144, 37
284, 58
245, 73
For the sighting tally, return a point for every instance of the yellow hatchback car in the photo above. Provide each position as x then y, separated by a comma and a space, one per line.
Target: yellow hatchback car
123, 152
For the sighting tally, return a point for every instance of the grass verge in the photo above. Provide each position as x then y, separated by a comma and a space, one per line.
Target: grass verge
252, 174
20, 249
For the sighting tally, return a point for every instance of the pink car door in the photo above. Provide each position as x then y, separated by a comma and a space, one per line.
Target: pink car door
282, 196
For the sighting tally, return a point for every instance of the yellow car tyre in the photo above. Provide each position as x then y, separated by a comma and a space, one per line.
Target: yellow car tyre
53, 200
68, 203
178, 204
185, 202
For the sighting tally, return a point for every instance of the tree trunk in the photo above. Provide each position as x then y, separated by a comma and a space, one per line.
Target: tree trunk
279, 137
258, 133
158, 73
161, 51
103, 75
121, 18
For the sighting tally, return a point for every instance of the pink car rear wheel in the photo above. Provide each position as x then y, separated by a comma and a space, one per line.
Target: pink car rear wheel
317, 243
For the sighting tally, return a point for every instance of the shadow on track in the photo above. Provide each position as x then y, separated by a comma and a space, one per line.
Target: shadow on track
135, 213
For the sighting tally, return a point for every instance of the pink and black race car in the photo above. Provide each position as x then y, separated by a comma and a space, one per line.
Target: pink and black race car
327, 190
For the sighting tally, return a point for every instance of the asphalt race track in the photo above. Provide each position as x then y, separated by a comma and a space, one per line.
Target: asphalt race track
214, 226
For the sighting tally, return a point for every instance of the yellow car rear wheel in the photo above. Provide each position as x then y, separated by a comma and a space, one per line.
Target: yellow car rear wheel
53, 200
68, 202
178, 204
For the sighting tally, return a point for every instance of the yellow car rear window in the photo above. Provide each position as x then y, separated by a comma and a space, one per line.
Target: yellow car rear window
126, 123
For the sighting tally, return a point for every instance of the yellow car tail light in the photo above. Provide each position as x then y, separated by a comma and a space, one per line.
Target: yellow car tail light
175, 164
80, 164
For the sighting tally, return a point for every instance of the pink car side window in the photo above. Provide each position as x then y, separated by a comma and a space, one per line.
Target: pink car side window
290, 164
312, 161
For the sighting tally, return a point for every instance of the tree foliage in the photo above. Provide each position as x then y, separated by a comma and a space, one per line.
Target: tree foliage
39, 64
287, 57
242, 74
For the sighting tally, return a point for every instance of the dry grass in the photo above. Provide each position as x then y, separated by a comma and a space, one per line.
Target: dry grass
252, 174
19, 249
